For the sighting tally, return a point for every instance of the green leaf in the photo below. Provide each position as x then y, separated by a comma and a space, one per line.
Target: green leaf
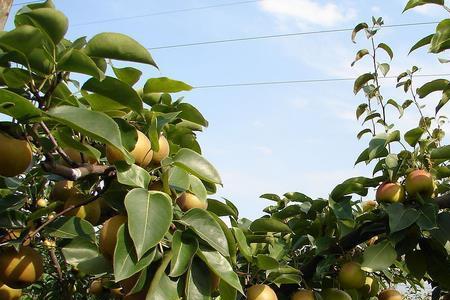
179, 179
190, 113
423, 42
443, 101
428, 216
71, 228
266, 262
432, 86
387, 49
95, 266
149, 218
227, 292
357, 29
360, 54
384, 69
221, 209
115, 90
414, 3
23, 39
416, 263
441, 153
198, 282
165, 85
269, 225
183, 248
379, 257
361, 81
362, 132
132, 175
16, 78
401, 217
441, 39
396, 105
93, 124
118, 46
76, 61
195, 164
158, 275
221, 267
128, 75
413, 136
51, 21
197, 188
442, 232
167, 289
17, 106
79, 250
126, 263
242, 243
203, 224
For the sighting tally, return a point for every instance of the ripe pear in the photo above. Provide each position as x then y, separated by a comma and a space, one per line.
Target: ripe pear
351, 276
108, 235
392, 192
42, 203
62, 190
163, 151
15, 155
303, 295
142, 152
90, 212
187, 201
20, 269
261, 292
7, 293
156, 186
390, 294
96, 287
419, 182
75, 155
335, 294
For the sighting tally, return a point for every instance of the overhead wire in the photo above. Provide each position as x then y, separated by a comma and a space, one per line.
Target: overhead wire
244, 84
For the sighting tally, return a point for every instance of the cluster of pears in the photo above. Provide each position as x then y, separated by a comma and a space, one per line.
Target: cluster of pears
350, 276
18, 269
417, 183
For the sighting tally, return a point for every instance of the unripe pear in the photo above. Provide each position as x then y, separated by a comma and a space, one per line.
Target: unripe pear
335, 294
163, 151
20, 269
75, 155
390, 294
419, 182
303, 295
187, 201
90, 212
351, 276
7, 293
108, 235
15, 155
142, 152
261, 292
392, 192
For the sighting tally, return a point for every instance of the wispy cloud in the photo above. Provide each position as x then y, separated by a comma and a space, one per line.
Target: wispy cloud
309, 12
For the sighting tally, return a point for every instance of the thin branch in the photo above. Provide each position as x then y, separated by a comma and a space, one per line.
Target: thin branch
33, 233
58, 149
56, 263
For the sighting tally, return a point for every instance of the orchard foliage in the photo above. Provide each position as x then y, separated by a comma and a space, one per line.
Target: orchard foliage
104, 192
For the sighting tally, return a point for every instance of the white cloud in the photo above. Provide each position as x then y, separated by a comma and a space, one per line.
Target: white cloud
309, 12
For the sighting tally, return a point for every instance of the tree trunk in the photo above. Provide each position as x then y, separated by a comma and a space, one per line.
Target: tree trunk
5, 7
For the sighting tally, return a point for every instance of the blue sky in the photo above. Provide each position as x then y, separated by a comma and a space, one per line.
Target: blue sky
276, 139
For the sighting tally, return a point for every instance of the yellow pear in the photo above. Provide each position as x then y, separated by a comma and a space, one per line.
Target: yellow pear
15, 155
142, 152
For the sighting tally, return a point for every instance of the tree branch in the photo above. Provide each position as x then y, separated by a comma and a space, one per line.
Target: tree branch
58, 149
75, 174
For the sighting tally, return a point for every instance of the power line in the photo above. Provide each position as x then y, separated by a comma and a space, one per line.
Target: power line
283, 35
167, 12
244, 84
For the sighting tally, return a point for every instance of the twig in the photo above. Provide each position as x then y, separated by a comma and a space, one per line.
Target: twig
58, 149
56, 263
33, 233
